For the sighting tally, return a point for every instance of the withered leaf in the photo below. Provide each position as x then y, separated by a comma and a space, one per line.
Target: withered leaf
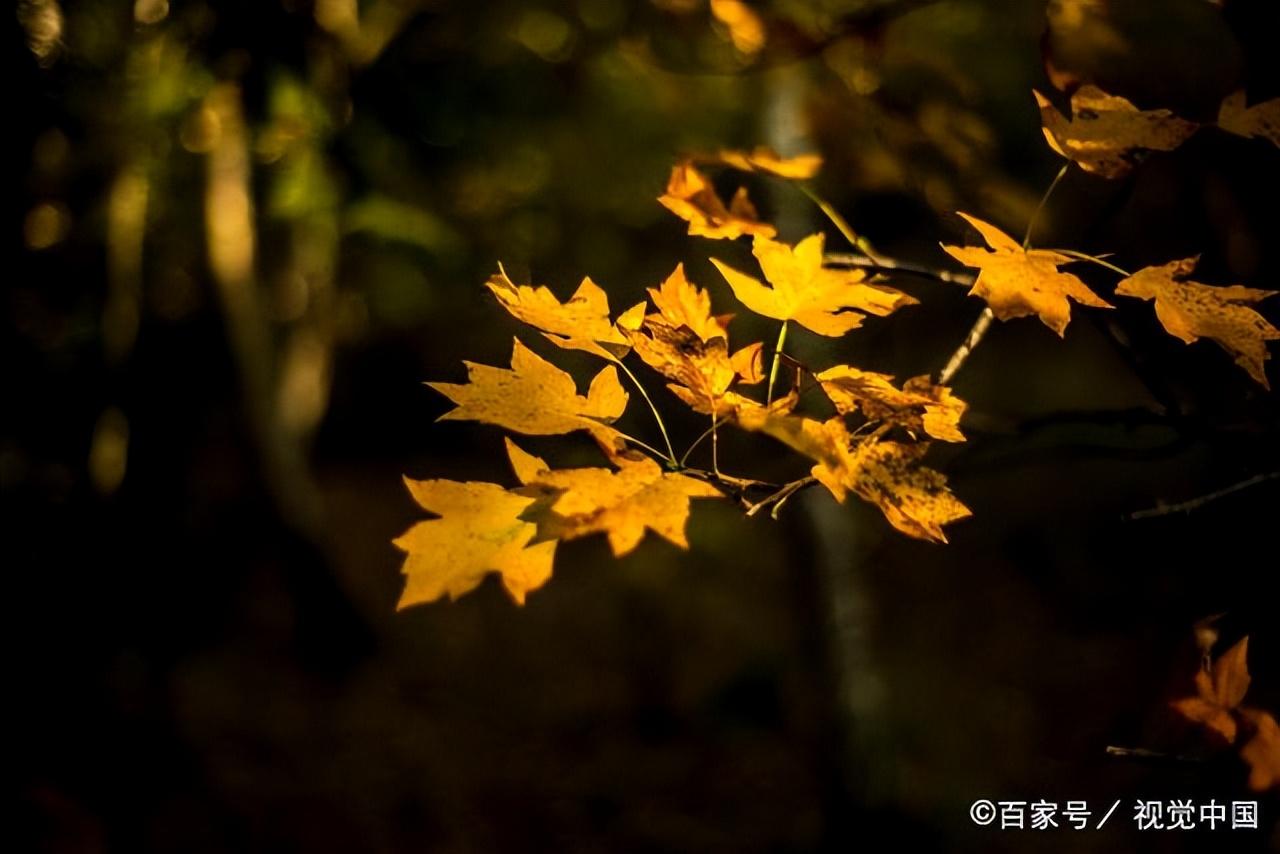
1106, 132
1262, 120
918, 407
620, 504
535, 397
1017, 282
825, 300
479, 530
1262, 750
691, 197
580, 323
1190, 310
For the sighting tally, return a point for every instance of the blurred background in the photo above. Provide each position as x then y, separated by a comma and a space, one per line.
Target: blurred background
244, 233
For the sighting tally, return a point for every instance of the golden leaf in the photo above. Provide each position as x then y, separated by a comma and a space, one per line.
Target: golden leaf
827, 301
1259, 120
1106, 131
691, 197
686, 343
535, 397
580, 323
479, 531
914, 499
621, 504
748, 363
763, 159
1017, 282
1189, 310
919, 406
1219, 689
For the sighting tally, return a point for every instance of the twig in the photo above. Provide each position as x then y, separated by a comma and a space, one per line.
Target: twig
846, 259
780, 495
1196, 503
1150, 755
966, 347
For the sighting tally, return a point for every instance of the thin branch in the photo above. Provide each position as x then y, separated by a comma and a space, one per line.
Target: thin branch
1149, 755
1196, 503
880, 262
1094, 259
856, 240
779, 496
966, 347
1044, 200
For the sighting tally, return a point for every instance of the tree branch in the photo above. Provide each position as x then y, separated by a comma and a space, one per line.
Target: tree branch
1200, 501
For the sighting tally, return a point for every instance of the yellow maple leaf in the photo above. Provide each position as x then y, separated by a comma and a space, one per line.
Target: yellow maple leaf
620, 504
764, 159
1189, 310
535, 397
1261, 120
1220, 687
918, 407
691, 197
825, 300
1105, 132
1017, 282
479, 530
914, 499
580, 323
686, 343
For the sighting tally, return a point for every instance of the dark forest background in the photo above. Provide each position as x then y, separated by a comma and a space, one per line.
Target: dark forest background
242, 234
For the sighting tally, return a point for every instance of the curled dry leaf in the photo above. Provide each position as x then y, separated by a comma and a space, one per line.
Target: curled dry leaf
479, 530
825, 300
620, 504
918, 407
691, 197
1106, 132
1017, 282
580, 323
1189, 311
1262, 120
913, 498
763, 159
535, 397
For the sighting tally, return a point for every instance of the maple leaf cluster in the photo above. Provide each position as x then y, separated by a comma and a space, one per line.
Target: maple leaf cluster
874, 432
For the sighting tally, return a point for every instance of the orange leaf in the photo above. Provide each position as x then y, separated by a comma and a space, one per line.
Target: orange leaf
763, 159
1189, 310
918, 407
1106, 132
1017, 282
1219, 689
1261, 120
691, 197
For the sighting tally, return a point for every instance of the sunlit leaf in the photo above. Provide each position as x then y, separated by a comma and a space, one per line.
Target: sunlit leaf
1261, 120
691, 197
918, 407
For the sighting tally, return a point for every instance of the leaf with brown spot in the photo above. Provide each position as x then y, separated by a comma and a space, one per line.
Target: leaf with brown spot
580, 323
764, 159
479, 530
686, 343
825, 300
918, 407
620, 504
535, 397
1261, 120
1219, 689
914, 499
1017, 282
1190, 310
1106, 132
691, 197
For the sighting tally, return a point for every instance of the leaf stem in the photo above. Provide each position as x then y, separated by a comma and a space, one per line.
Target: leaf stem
839, 222
777, 356
1044, 200
657, 416
1084, 256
